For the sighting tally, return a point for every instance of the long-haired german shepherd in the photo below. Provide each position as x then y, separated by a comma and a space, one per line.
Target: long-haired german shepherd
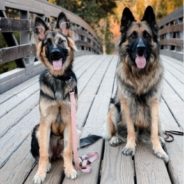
135, 107
55, 48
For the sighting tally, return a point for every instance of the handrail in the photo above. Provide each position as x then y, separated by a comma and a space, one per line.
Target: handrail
171, 34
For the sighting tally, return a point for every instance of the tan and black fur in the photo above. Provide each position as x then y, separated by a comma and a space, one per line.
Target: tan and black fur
52, 137
135, 108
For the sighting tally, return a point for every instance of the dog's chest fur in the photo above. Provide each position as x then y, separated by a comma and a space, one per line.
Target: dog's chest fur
57, 88
138, 93
54, 98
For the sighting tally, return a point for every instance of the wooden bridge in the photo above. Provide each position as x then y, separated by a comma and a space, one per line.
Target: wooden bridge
19, 91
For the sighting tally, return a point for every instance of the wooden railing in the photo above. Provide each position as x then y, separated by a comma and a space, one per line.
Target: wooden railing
22, 50
171, 34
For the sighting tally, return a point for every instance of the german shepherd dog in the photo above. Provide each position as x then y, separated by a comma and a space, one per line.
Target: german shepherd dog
55, 48
135, 108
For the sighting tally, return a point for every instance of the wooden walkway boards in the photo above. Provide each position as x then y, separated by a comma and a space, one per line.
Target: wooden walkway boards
96, 83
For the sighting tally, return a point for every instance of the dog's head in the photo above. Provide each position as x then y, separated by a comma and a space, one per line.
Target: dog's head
139, 40
55, 48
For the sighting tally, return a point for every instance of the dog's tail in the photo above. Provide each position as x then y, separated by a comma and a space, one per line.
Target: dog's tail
34, 143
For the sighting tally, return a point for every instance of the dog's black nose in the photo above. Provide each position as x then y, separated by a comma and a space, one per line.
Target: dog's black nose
140, 47
55, 54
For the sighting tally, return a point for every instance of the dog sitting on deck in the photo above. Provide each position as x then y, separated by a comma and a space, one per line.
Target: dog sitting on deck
55, 49
135, 108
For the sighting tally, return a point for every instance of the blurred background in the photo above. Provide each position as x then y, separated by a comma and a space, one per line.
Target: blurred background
104, 15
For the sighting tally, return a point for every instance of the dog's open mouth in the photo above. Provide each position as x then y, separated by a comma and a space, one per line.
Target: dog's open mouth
140, 62
57, 64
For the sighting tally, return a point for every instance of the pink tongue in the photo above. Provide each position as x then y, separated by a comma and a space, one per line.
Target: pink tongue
57, 65
140, 62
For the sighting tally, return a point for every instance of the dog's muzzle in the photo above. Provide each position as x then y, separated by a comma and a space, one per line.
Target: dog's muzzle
58, 56
140, 59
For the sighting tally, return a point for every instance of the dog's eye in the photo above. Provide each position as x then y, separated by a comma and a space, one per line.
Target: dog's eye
146, 35
47, 41
60, 41
133, 35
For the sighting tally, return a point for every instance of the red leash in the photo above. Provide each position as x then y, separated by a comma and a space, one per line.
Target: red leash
82, 163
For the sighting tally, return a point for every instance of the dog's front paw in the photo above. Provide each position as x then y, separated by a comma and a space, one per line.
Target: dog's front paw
71, 173
128, 150
115, 141
39, 177
160, 153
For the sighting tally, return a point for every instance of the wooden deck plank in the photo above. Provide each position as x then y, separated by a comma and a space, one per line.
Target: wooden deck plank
116, 167
19, 165
16, 90
87, 75
97, 116
173, 62
174, 149
15, 137
78, 65
149, 168
176, 85
84, 68
17, 99
13, 118
90, 91
175, 104
177, 74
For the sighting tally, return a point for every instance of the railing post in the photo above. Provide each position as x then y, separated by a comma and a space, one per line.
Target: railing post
25, 38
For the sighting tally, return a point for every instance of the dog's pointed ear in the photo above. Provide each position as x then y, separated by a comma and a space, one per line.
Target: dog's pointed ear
126, 20
63, 24
150, 18
40, 28
72, 44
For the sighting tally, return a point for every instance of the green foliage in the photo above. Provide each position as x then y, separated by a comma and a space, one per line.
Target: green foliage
7, 67
2, 41
90, 10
